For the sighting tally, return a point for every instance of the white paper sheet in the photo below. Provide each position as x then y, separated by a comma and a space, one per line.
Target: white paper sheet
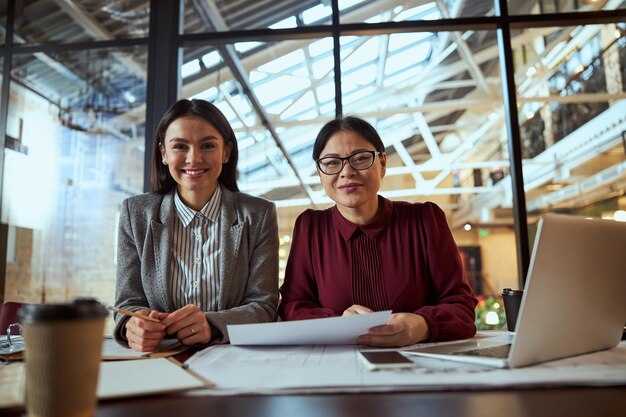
327, 331
115, 380
142, 377
308, 369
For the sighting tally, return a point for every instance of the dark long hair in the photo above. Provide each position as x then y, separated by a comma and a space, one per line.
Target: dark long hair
160, 178
350, 124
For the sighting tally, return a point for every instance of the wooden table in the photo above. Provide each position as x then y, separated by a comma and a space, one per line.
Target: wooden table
542, 402
536, 402
566, 402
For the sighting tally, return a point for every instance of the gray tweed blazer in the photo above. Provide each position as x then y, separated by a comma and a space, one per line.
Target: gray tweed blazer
248, 260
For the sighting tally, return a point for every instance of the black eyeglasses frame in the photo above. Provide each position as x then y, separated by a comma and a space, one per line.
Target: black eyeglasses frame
348, 158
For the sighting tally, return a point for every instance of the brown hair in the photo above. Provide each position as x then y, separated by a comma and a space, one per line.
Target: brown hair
160, 178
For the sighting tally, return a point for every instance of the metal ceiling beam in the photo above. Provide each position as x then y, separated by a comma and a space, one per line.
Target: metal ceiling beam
578, 98
465, 52
284, 48
93, 27
572, 151
313, 88
427, 135
607, 181
211, 16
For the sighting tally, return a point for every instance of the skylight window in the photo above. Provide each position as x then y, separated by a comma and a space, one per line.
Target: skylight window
344, 4
408, 57
410, 73
280, 64
432, 16
190, 68
348, 88
367, 52
327, 108
289, 22
326, 92
323, 67
256, 76
280, 87
303, 105
347, 39
227, 110
243, 47
320, 47
279, 107
316, 13
358, 94
416, 12
240, 102
401, 40
362, 76
209, 94
301, 72
211, 59
393, 121
244, 143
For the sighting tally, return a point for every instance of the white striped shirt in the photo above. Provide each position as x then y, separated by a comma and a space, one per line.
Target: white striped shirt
195, 254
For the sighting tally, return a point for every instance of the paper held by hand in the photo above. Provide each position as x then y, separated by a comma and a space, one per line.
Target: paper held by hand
325, 331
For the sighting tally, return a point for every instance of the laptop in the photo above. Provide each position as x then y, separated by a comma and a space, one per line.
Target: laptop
574, 300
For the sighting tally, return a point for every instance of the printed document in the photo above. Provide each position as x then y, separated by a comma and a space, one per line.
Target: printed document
316, 368
326, 331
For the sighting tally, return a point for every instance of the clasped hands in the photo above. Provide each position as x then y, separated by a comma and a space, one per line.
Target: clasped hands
188, 323
402, 329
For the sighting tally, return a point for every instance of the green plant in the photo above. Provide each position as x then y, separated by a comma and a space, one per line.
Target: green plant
490, 313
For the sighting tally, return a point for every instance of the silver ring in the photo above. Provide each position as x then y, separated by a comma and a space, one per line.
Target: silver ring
192, 330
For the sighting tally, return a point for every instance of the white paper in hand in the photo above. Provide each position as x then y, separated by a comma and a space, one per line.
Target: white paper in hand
326, 331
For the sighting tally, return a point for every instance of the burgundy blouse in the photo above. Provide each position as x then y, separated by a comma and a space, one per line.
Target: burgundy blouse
404, 260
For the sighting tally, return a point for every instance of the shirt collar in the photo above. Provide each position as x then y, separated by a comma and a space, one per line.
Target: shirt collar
372, 229
211, 209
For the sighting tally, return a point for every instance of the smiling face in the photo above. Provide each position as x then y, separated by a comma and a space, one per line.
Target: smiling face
194, 152
355, 192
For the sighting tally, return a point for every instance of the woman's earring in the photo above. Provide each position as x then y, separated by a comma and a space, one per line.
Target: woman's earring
164, 162
225, 160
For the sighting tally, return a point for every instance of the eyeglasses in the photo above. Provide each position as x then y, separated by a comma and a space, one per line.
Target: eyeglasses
331, 165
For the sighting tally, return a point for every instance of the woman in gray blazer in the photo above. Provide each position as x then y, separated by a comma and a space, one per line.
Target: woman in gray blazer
195, 253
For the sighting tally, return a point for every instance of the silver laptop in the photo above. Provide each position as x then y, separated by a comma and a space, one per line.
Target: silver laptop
574, 300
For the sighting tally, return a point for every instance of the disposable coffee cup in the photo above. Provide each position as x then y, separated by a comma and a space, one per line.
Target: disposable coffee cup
63, 346
512, 300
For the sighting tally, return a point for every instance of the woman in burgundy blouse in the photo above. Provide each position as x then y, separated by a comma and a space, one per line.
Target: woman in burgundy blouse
368, 253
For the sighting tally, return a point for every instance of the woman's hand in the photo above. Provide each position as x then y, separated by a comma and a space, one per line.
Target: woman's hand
402, 329
189, 324
144, 335
356, 309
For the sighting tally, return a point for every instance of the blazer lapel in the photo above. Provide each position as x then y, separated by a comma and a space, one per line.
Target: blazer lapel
230, 236
162, 237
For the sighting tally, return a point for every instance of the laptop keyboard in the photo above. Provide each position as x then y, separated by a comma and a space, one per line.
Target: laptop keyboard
501, 352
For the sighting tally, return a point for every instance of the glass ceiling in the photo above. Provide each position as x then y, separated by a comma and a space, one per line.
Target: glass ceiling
434, 97
294, 83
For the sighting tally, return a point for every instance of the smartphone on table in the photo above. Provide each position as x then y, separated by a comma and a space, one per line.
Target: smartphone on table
386, 359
